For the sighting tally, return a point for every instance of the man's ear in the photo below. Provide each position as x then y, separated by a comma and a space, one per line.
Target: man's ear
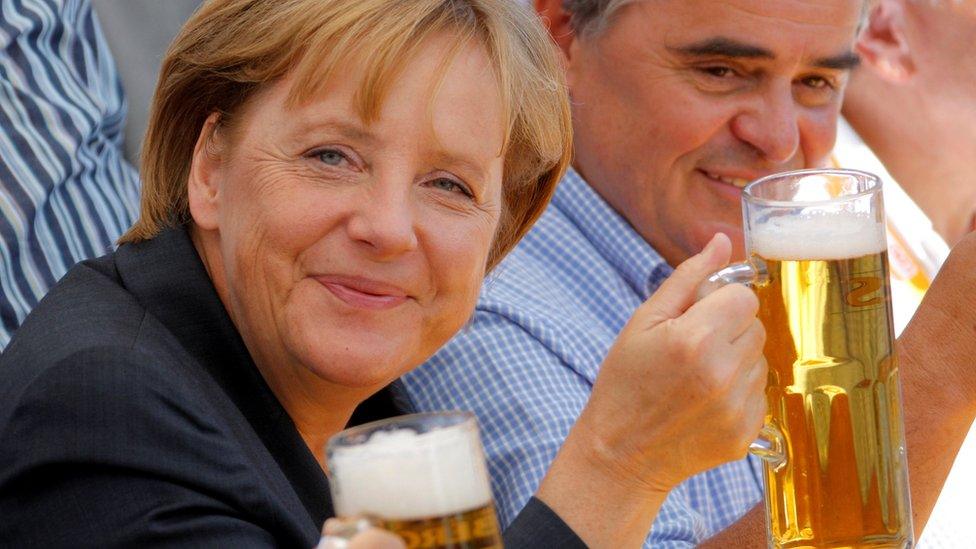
883, 44
203, 183
558, 22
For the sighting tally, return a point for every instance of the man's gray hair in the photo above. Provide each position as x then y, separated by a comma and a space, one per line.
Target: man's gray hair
589, 17
592, 16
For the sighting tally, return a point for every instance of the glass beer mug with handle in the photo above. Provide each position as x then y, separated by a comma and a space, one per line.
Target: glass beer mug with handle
420, 476
833, 443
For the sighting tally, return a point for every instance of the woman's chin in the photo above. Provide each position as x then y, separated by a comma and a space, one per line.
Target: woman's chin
354, 362
356, 372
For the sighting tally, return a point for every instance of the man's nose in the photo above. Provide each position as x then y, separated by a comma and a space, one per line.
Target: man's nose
770, 124
385, 220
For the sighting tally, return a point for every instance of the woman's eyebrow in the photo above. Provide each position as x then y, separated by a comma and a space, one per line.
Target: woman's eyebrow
461, 162
346, 128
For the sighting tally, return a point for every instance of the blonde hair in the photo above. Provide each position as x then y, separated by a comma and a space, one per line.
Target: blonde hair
230, 49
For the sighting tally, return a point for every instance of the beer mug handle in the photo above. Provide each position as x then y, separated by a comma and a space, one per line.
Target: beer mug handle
769, 446
746, 272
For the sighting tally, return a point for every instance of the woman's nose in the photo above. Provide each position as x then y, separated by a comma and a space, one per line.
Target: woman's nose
385, 221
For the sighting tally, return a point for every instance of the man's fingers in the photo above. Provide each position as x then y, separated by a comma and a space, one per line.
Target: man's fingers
679, 291
728, 312
752, 340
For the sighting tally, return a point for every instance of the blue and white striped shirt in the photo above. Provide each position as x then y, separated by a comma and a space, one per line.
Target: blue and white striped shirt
66, 193
527, 361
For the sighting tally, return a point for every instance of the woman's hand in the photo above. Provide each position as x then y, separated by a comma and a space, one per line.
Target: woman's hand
680, 391
357, 534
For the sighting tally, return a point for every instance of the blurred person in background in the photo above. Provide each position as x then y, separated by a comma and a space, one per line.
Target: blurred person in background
72, 120
138, 33
326, 184
66, 191
913, 103
910, 116
677, 104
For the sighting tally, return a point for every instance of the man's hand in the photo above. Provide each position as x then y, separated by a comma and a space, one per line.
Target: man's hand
681, 391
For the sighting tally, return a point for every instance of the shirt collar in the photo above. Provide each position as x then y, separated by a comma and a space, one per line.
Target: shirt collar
614, 238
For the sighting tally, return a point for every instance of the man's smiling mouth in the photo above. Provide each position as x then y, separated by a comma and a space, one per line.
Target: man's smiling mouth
734, 181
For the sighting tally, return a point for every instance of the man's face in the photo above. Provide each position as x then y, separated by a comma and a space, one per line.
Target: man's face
678, 103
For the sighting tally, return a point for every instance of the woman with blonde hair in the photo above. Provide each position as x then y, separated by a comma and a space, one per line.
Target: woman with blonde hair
325, 185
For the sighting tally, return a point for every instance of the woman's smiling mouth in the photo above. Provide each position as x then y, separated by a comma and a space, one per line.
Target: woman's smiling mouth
364, 293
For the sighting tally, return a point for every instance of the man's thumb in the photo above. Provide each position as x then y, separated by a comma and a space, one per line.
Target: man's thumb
679, 291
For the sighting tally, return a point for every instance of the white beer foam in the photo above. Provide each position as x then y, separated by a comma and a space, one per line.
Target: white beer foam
404, 475
840, 235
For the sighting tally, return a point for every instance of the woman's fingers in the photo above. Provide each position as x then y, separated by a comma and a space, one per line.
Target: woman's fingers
357, 533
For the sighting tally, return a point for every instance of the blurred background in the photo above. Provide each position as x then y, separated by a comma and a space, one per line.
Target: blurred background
138, 32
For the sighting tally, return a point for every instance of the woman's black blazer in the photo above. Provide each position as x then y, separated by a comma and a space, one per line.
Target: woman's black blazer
131, 414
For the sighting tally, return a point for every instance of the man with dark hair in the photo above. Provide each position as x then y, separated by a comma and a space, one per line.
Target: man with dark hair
677, 104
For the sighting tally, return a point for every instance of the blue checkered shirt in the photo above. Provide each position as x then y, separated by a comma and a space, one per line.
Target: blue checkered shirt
65, 192
527, 361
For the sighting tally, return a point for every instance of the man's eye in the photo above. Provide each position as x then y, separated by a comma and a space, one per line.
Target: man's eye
817, 91
331, 157
718, 72
449, 185
816, 82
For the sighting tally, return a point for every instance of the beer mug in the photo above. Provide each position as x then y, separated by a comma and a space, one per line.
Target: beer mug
421, 476
833, 443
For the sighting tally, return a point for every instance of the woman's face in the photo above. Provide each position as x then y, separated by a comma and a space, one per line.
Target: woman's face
355, 250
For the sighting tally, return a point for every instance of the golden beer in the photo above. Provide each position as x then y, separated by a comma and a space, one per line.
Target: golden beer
833, 393
420, 476
474, 529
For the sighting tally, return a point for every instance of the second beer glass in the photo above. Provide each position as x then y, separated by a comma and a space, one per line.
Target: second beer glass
836, 474
421, 476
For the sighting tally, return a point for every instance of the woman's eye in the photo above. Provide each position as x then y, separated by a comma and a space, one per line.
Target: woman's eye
449, 185
331, 157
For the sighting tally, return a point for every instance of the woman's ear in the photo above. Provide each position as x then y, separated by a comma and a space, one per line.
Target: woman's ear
203, 184
883, 44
